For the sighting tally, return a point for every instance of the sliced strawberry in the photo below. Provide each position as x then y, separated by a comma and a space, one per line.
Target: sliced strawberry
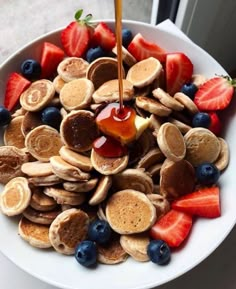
16, 84
179, 70
204, 202
76, 36
215, 125
103, 36
141, 49
214, 94
51, 56
173, 228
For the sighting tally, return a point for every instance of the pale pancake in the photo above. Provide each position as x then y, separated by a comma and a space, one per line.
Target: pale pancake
37, 169
13, 135
167, 100
101, 190
40, 201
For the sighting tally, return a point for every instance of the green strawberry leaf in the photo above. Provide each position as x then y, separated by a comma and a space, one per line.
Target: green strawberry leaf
78, 14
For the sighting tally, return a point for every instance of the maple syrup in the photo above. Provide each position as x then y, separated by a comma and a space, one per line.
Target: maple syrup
116, 120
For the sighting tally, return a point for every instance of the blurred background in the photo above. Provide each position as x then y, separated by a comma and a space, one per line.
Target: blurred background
209, 23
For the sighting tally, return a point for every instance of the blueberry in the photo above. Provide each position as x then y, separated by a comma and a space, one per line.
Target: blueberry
126, 37
94, 53
201, 119
51, 116
86, 253
99, 231
31, 69
5, 116
189, 89
207, 174
158, 252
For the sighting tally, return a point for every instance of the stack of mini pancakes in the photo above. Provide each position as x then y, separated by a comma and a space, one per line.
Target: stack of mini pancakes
58, 183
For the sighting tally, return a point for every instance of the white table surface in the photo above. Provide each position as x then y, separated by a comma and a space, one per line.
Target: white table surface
218, 271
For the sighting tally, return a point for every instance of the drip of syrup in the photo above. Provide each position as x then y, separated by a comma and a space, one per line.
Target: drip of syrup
109, 147
116, 120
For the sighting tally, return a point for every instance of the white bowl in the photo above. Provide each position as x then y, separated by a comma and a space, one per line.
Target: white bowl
206, 235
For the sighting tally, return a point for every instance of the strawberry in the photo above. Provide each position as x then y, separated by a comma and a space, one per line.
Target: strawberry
141, 49
215, 125
173, 228
16, 84
205, 203
76, 36
179, 70
51, 56
104, 37
215, 94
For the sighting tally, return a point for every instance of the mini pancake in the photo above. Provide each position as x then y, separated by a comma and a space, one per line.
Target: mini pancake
189, 105
154, 156
103, 69
37, 95
77, 94
136, 246
144, 72
76, 159
45, 181
66, 171
155, 122
109, 91
58, 83
68, 230
31, 120
64, 197
15, 197
161, 204
101, 191
37, 235
72, 68
108, 166
171, 142
112, 252
43, 142
152, 106
134, 179
223, 159
167, 99
201, 146
184, 128
37, 169
130, 212
127, 57
11, 160
13, 135
176, 179
40, 201
40, 217
80, 187
18, 112
79, 130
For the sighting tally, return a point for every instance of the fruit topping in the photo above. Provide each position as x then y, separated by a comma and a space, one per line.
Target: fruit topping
103, 36
189, 89
94, 53
16, 84
207, 174
173, 228
76, 36
127, 37
205, 203
5, 116
31, 69
51, 116
51, 56
179, 70
201, 119
99, 231
141, 49
159, 252
215, 125
215, 94
86, 253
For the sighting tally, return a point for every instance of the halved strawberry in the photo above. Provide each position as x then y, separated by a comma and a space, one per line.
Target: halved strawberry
51, 56
16, 84
215, 125
204, 202
103, 36
141, 49
179, 70
76, 36
214, 94
173, 228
